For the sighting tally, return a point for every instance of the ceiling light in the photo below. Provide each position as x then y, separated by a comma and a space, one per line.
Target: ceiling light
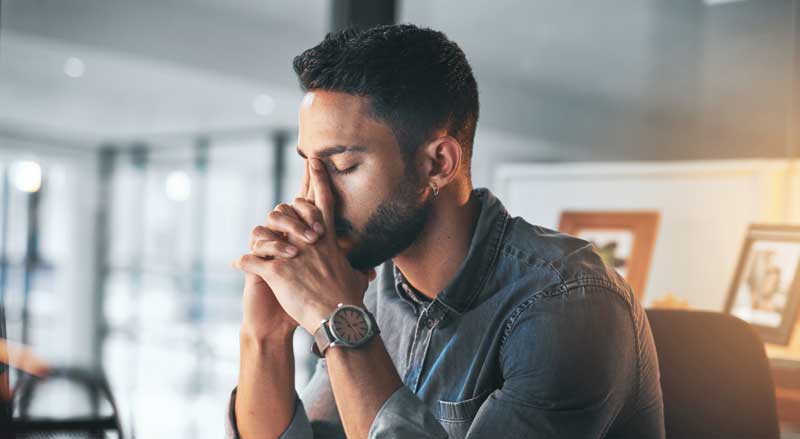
178, 186
263, 104
26, 176
74, 67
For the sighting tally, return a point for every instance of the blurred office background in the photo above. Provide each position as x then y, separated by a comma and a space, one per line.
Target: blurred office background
140, 141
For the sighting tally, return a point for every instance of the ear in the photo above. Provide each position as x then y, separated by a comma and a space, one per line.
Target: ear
441, 160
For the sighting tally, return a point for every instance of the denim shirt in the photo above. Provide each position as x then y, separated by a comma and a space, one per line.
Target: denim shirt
534, 337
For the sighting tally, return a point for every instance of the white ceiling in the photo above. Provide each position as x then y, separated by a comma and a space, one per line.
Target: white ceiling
124, 96
152, 68
633, 78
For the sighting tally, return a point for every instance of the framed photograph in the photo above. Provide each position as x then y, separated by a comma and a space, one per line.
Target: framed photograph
766, 285
624, 239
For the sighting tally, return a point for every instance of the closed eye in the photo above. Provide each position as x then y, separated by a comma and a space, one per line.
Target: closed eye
343, 171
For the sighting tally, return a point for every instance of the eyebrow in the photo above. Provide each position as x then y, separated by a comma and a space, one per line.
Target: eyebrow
333, 150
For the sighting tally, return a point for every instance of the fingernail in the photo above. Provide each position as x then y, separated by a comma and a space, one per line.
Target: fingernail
291, 250
318, 228
310, 235
316, 164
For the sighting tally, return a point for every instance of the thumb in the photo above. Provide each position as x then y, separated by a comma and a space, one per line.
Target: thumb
251, 264
251, 280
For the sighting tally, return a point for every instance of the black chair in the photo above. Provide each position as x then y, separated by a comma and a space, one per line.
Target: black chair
715, 376
92, 413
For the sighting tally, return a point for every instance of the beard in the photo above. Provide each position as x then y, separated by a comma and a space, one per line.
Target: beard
393, 227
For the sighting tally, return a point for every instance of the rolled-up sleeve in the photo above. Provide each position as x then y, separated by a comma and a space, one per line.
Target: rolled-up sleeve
404, 415
299, 427
315, 413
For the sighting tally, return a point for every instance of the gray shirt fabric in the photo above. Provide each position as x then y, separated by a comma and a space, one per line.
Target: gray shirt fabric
533, 338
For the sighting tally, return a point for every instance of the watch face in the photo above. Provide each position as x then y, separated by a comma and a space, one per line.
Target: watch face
349, 325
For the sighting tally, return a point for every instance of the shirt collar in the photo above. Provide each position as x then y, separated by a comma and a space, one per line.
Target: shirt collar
465, 287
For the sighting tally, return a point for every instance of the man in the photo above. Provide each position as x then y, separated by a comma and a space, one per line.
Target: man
484, 326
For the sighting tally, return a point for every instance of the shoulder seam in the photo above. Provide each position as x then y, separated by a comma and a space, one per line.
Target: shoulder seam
511, 321
559, 289
562, 288
546, 264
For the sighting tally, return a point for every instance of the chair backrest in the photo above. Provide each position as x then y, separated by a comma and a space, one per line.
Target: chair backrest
715, 376
92, 412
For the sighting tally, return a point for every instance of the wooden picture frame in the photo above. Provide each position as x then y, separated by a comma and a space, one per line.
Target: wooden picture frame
633, 231
765, 290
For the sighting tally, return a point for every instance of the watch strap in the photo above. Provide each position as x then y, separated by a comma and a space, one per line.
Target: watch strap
322, 339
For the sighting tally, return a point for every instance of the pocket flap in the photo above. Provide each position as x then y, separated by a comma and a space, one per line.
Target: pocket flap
460, 410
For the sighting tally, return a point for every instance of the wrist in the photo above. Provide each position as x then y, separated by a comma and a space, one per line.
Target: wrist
251, 336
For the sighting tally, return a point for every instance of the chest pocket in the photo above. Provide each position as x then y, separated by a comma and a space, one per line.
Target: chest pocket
456, 417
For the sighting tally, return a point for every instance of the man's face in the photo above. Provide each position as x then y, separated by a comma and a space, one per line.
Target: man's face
379, 206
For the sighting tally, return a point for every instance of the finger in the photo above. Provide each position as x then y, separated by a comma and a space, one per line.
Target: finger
304, 182
310, 194
250, 279
323, 197
274, 249
252, 264
296, 230
287, 210
309, 213
261, 233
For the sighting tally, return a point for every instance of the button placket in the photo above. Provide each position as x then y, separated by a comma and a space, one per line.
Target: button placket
429, 318
434, 315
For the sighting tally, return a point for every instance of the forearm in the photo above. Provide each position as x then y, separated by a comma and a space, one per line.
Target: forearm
265, 398
362, 380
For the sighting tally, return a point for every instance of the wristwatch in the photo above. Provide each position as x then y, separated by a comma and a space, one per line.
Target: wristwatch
348, 325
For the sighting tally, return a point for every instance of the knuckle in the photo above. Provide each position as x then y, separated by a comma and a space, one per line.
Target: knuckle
263, 250
304, 206
296, 227
301, 210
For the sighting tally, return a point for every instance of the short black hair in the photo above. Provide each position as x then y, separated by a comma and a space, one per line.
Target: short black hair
416, 80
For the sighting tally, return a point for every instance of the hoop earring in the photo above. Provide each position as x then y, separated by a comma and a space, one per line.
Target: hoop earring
435, 190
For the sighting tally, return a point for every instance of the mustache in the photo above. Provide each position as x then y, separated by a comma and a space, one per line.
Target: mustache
341, 225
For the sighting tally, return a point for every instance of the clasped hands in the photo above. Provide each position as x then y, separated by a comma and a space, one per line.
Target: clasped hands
297, 255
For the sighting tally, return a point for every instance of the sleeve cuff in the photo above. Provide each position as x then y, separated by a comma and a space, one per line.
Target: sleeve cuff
299, 427
404, 415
